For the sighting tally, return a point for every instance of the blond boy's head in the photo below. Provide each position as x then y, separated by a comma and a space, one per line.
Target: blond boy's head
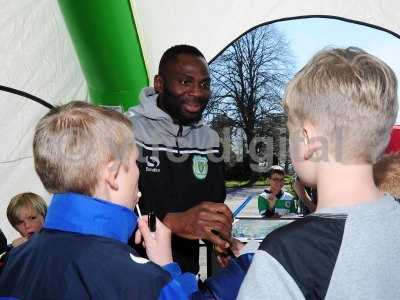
73, 142
387, 174
350, 96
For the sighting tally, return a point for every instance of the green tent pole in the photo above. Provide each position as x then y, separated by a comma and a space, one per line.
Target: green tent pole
105, 39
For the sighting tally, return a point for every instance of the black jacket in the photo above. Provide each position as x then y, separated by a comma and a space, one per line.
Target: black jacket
180, 167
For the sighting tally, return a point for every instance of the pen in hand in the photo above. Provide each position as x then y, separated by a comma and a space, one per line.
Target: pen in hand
138, 210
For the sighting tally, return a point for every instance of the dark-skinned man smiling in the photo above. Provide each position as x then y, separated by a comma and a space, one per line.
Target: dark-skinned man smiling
180, 161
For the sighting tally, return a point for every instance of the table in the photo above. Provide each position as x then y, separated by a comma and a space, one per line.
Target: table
250, 228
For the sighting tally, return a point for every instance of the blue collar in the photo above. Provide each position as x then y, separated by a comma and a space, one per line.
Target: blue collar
87, 215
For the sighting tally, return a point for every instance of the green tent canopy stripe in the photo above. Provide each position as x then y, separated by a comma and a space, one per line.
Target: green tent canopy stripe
107, 44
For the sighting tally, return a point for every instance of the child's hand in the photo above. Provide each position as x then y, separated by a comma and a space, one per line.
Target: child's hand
19, 241
222, 257
158, 243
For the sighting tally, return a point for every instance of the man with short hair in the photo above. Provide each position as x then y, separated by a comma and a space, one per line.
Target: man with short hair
181, 166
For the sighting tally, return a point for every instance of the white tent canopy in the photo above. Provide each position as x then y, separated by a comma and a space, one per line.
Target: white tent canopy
212, 25
37, 56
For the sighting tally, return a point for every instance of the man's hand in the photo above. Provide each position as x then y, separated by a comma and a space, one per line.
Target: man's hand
208, 220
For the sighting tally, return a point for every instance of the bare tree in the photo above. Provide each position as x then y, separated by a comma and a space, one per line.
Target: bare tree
248, 80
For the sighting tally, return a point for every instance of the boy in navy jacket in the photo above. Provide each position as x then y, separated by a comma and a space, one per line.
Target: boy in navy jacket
86, 157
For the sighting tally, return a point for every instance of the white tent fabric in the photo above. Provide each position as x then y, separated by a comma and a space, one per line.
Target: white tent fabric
211, 25
37, 57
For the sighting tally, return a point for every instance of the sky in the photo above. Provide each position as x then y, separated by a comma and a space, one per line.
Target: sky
307, 36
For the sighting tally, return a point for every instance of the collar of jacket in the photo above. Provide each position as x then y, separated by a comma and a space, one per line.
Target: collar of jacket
82, 214
148, 108
278, 196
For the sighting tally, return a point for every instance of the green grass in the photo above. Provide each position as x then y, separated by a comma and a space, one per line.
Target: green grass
235, 184
258, 183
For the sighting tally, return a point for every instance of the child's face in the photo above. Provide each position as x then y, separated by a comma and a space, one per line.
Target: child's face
276, 182
29, 221
305, 168
128, 182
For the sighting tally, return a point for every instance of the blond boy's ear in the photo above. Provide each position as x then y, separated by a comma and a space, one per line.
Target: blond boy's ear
311, 141
111, 174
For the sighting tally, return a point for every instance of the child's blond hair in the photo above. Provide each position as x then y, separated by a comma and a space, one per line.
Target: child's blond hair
350, 96
74, 141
